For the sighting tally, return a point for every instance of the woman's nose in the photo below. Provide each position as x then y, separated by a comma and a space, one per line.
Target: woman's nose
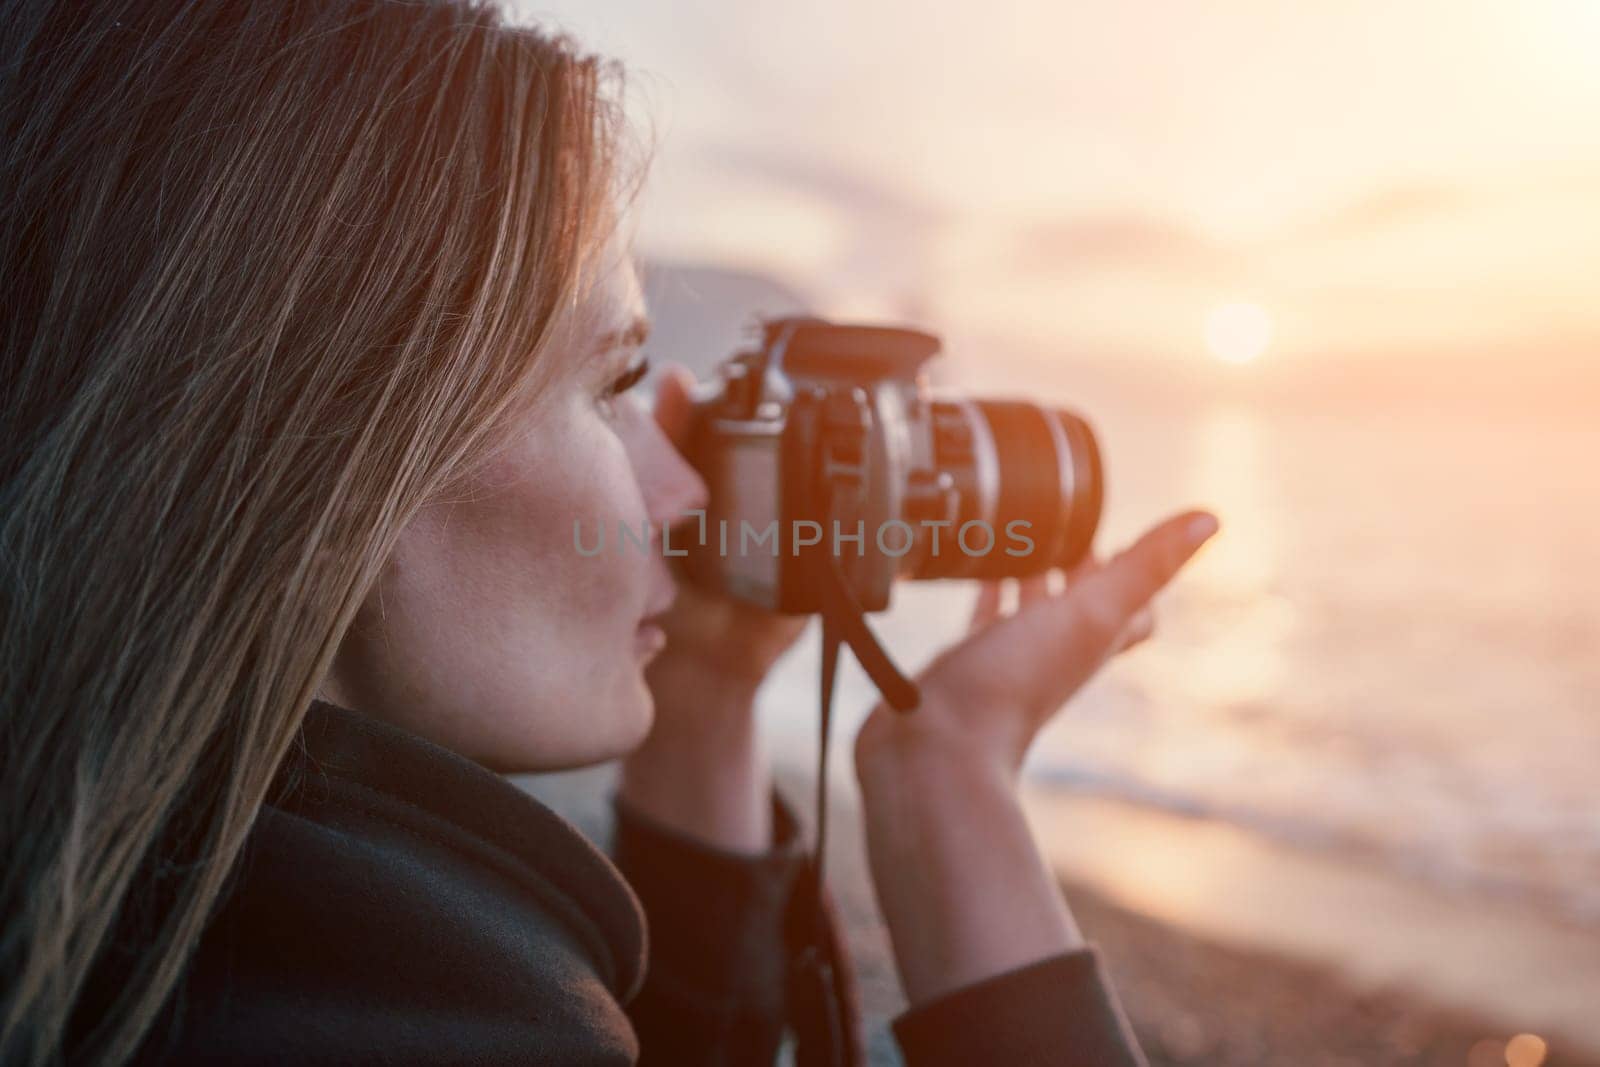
680, 488
670, 485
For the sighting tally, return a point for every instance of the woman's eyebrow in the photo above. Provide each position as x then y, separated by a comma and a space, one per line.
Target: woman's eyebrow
634, 335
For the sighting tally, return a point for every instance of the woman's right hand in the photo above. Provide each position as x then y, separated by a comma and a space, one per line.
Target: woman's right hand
961, 884
987, 696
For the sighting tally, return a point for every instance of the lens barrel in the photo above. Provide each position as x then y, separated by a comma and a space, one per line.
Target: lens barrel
1014, 462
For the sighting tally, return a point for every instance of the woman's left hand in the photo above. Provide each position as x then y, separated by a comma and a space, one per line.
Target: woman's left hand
732, 640
701, 770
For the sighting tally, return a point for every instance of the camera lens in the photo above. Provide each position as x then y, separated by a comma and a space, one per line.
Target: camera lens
1028, 489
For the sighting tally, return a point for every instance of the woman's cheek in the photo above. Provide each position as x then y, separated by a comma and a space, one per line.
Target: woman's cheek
604, 507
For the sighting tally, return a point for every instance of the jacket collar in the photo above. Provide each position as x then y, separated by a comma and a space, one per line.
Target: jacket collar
487, 821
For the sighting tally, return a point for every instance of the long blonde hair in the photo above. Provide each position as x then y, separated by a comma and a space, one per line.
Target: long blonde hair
274, 273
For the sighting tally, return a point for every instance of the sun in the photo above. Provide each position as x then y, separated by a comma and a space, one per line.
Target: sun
1238, 332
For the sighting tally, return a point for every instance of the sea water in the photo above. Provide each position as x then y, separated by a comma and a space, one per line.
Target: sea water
1391, 651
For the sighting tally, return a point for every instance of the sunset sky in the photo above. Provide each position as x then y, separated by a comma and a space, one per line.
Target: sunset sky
1405, 179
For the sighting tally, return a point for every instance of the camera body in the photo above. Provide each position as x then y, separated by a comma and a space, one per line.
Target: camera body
825, 438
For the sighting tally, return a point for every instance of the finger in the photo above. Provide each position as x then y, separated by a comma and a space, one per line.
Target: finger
1080, 570
1105, 601
1032, 589
673, 405
1140, 629
987, 607
1084, 567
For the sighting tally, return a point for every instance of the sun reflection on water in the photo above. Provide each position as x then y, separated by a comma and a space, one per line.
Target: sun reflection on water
1233, 589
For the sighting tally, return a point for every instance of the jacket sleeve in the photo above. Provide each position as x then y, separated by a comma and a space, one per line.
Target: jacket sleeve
714, 988
1058, 1011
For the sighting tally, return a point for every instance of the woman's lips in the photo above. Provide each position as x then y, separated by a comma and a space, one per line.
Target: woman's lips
649, 638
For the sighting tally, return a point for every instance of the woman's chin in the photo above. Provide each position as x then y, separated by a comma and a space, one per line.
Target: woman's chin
524, 729
597, 732
634, 725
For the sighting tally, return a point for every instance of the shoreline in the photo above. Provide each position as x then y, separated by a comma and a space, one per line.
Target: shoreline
1192, 1000
1378, 931
1227, 950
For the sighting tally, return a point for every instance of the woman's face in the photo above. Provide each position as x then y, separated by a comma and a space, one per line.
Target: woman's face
488, 631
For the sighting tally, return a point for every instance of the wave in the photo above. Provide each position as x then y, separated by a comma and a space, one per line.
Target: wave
1440, 862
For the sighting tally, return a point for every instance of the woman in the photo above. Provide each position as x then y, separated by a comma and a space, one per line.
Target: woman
318, 325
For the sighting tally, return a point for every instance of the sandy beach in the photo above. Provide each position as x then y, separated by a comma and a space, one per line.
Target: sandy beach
1193, 1001
1194, 996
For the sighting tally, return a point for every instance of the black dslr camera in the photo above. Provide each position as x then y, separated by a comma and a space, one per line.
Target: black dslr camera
832, 471
825, 441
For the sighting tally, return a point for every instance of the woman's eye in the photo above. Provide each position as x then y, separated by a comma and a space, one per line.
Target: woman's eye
625, 381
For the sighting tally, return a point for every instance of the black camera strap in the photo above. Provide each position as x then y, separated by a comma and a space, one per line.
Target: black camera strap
820, 972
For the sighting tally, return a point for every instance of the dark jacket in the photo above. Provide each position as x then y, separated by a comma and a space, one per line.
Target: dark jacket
398, 904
